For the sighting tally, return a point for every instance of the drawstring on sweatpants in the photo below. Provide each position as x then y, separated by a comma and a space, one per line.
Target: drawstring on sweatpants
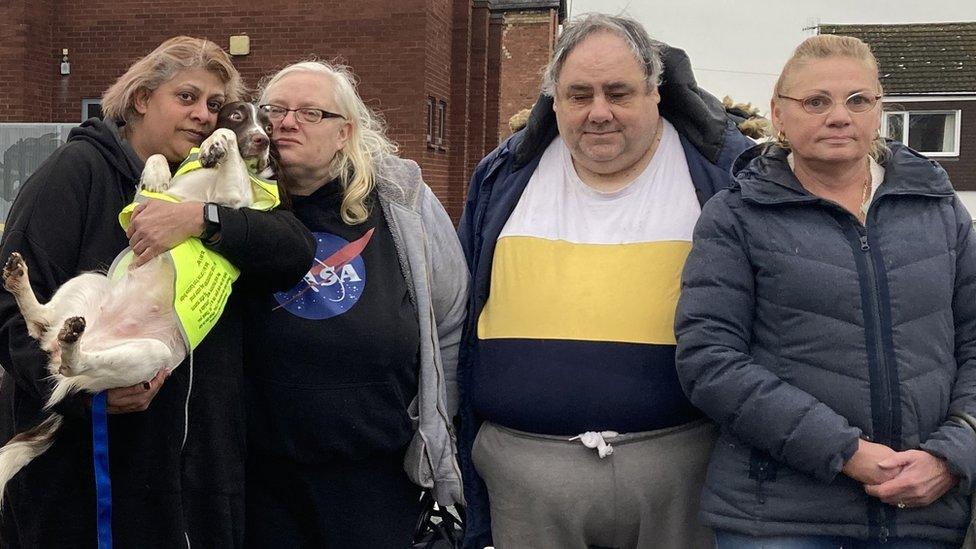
593, 439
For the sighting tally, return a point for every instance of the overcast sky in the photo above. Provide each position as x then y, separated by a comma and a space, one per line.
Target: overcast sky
737, 47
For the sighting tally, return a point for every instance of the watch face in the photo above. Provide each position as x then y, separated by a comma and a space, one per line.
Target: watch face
211, 213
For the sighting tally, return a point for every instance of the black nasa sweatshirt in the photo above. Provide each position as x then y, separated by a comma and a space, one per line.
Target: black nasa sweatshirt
331, 364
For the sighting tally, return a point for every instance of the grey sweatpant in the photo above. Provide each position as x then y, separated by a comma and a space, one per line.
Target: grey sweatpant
549, 492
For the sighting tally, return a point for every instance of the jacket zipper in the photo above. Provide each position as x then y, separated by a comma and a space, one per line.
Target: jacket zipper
433, 327
883, 433
439, 371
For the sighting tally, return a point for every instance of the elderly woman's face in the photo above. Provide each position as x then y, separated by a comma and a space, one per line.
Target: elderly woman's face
838, 135
306, 149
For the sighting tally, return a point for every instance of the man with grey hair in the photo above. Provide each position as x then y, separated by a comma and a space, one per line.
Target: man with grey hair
574, 429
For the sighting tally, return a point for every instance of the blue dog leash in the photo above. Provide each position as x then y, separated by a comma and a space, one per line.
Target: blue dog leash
103, 482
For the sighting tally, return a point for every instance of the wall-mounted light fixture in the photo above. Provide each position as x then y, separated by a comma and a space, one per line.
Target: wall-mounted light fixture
65, 65
240, 44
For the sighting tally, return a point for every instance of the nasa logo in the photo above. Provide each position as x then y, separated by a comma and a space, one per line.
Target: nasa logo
334, 283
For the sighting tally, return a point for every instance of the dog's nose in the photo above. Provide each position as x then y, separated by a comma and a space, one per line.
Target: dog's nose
259, 140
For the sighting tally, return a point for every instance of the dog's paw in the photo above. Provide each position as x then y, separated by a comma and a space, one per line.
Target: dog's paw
72, 330
14, 272
215, 147
155, 176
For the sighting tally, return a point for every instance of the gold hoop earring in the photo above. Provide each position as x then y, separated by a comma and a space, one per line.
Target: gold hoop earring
782, 140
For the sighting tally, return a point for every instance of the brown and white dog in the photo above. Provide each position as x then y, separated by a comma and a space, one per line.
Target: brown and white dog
102, 333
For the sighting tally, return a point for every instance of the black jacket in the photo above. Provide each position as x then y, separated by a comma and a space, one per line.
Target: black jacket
165, 491
800, 329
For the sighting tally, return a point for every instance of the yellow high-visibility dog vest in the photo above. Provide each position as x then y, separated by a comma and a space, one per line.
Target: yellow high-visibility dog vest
203, 277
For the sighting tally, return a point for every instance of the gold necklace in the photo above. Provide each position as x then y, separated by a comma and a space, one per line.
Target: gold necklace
866, 194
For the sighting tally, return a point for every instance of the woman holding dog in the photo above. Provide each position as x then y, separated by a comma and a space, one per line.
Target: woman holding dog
177, 445
827, 323
350, 374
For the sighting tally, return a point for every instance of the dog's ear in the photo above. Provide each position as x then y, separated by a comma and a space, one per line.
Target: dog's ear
274, 161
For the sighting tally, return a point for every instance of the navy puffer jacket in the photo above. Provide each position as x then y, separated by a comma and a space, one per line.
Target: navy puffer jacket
800, 330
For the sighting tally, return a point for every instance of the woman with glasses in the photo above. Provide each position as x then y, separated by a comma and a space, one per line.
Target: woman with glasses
351, 374
176, 442
827, 323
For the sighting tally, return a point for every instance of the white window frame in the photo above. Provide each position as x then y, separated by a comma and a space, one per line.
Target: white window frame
429, 122
905, 118
85, 103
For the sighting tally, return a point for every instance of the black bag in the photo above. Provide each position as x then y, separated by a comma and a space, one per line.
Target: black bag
438, 527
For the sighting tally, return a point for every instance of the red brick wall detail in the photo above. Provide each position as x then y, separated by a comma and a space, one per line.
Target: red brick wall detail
526, 49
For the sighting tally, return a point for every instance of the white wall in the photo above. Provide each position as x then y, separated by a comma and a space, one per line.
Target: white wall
969, 200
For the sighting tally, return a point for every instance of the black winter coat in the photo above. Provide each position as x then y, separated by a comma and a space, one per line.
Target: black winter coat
800, 330
167, 492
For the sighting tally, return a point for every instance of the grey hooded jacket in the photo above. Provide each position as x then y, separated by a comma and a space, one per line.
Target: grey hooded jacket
437, 280
800, 330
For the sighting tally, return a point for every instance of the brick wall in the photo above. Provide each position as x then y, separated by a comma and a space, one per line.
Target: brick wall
525, 50
459, 107
477, 85
496, 29
438, 83
403, 53
28, 63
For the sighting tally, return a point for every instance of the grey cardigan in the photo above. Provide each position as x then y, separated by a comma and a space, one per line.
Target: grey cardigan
437, 280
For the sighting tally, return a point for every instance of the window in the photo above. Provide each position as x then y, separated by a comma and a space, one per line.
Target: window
429, 138
932, 133
91, 108
441, 123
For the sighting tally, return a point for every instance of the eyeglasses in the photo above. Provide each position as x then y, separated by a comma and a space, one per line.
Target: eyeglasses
308, 115
820, 103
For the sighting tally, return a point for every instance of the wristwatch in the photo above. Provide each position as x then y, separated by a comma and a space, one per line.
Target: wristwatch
211, 222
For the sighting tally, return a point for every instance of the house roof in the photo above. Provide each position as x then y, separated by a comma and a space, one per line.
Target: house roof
920, 58
520, 5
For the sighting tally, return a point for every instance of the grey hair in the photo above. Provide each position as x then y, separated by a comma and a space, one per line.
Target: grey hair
354, 165
645, 50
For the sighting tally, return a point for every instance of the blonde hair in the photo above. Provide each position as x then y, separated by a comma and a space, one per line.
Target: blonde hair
824, 46
175, 55
354, 164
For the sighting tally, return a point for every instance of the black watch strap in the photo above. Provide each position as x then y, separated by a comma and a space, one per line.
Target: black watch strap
211, 222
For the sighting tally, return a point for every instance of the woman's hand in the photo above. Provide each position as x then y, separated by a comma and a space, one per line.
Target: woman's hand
865, 465
921, 479
125, 400
157, 225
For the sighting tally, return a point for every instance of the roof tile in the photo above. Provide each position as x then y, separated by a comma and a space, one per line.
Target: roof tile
920, 57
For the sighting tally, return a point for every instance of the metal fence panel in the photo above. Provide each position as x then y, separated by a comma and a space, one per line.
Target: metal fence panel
23, 148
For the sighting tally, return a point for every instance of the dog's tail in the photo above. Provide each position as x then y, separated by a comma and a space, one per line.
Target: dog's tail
24, 447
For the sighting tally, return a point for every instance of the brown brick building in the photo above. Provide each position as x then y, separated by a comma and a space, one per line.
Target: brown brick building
446, 74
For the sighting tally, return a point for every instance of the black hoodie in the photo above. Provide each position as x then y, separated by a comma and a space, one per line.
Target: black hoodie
177, 468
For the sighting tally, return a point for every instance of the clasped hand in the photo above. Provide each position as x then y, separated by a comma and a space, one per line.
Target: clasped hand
912, 478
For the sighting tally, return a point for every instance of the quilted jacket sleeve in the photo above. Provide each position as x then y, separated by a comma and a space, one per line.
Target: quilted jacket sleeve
714, 331
953, 441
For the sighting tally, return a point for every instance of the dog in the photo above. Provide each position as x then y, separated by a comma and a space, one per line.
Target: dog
102, 333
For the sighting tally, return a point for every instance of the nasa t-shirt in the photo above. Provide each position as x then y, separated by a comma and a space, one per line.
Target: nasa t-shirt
332, 362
